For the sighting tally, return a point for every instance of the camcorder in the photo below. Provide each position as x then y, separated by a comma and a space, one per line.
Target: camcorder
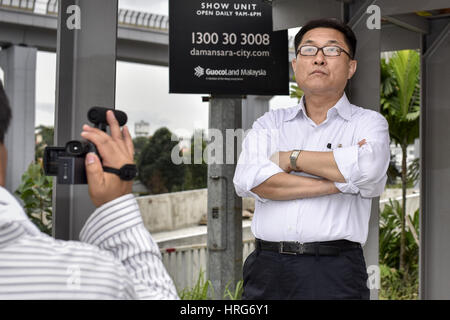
68, 163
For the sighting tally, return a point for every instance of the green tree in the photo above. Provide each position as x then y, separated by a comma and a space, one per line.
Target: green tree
400, 104
196, 173
139, 144
46, 134
155, 166
396, 284
295, 91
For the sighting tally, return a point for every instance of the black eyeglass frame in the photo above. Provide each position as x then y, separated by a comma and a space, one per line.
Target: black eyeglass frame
321, 49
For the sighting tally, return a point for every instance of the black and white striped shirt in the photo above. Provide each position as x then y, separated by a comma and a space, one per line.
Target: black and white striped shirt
116, 258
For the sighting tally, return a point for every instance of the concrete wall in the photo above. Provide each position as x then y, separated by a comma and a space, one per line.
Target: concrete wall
172, 211
177, 210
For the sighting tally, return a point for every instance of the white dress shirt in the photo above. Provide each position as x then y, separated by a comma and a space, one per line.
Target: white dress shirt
331, 217
116, 258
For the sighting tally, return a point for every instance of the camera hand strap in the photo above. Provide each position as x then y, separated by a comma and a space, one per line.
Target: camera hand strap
127, 172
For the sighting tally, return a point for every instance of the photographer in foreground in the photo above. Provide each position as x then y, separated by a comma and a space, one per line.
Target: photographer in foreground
116, 257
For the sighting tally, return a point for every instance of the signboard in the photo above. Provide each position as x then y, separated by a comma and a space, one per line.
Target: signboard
226, 47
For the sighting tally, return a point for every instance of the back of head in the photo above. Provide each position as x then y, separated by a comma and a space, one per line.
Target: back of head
5, 113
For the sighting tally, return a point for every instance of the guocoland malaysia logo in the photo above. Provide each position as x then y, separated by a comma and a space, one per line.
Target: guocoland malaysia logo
200, 71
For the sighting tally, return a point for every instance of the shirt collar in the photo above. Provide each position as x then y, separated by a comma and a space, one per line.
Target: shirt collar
343, 108
12, 212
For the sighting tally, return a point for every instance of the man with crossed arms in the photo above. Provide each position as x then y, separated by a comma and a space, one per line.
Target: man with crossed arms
313, 170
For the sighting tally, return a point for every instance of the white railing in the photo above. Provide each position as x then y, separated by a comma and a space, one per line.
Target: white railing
128, 17
18, 4
185, 263
412, 203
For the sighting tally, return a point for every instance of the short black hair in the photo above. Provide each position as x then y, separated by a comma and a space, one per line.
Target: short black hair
349, 35
5, 113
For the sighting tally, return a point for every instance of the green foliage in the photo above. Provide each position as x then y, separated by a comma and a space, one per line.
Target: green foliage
400, 95
393, 173
397, 284
237, 294
296, 92
155, 166
389, 237
200, 291
203, 290
400, 105
36, 193
139, 144
46, 133
413, 172
196, 176
394, 287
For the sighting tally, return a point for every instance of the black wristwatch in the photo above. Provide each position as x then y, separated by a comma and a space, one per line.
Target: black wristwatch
127, 172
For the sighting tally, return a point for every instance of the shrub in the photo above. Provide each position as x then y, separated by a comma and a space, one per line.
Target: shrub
36, 194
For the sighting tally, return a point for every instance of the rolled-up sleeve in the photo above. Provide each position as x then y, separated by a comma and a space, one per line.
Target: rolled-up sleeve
364, 168
254, 165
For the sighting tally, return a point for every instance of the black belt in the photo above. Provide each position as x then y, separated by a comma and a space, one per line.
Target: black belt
325, 248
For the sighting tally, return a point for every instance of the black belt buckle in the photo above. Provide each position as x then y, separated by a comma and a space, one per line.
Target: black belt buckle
300, 249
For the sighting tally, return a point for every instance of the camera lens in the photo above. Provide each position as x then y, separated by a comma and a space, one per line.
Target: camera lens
75, 148
93, 115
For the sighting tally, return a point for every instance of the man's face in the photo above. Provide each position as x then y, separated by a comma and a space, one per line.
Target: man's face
3, 162
320, 74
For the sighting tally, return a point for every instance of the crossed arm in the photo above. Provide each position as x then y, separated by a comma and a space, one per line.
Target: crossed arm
357, 169
285, 186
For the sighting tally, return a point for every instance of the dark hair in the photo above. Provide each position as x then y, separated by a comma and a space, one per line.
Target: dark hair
350, 38
5, 113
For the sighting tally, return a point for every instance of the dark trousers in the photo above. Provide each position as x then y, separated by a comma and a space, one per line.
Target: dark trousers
275, 276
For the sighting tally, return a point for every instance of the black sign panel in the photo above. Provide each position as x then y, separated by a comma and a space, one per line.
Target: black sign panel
226, 47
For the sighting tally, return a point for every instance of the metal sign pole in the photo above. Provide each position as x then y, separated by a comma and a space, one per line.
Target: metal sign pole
224, 205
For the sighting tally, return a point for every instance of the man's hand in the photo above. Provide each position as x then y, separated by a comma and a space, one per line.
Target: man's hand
281, 159
362, 142
116, 150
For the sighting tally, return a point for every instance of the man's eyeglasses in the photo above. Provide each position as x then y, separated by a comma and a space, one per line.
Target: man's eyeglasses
328, 51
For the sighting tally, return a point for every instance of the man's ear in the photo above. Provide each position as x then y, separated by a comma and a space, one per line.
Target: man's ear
293, 63
352, 68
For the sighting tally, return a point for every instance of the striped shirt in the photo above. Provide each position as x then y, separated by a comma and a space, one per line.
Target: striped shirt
115, 259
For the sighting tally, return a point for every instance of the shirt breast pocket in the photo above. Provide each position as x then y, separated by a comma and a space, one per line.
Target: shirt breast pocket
344, 138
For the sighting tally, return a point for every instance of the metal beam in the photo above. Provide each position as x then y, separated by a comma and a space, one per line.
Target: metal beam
364, 91
435, 172
86, 77
39, 31
410, 22
395, 38
295, 13
254, 107
389, 7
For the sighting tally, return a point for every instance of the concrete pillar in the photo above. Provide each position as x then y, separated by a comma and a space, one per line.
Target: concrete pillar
19, 67
364, 91
435, 166
86, 77
252, 108
224, 205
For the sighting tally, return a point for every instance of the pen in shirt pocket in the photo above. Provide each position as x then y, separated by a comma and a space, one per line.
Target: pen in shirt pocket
329, 146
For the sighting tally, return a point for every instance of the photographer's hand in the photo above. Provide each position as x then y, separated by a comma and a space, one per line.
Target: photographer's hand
116, 150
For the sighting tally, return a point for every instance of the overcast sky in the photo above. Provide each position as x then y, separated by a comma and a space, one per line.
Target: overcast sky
142, 90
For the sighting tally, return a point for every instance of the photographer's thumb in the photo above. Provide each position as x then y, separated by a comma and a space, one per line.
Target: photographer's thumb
94, 171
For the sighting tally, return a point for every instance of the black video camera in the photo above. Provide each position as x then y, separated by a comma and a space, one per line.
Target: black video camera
68, 163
